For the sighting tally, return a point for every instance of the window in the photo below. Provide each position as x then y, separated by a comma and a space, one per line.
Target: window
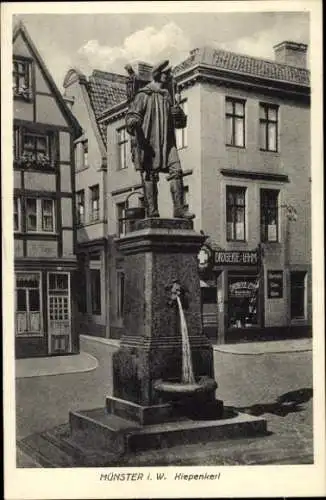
298, 295
120, 211
40, 215
17, 214
96, 290
243, 301
80, 205
268, 124
16, 143
21, 78
181, 133
235, 213
47, 215
235, 122
120, 293
31, 213
122, 142
269, 214
95, 202
33, 150
85, 154
28, 304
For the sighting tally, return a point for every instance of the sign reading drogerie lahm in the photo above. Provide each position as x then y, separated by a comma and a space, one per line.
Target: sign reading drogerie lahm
275, 284
239, 258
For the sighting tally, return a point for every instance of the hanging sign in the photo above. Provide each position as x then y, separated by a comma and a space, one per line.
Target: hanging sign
275, 284
204, 258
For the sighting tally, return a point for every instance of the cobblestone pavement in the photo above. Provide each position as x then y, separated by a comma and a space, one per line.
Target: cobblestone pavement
275, 386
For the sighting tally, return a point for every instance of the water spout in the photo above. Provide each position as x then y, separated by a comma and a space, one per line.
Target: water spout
187, 368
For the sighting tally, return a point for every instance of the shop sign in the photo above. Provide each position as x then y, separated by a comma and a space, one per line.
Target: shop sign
243, 288
275, 284
239, 258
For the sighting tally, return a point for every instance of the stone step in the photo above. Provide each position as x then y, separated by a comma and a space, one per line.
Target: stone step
97, 429
45, 453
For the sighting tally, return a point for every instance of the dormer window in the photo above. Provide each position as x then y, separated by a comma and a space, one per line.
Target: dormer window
21, 75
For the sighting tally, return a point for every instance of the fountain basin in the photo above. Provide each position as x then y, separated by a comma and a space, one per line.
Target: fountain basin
179, 389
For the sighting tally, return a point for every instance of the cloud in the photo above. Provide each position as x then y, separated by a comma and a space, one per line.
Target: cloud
260, 44
149, 45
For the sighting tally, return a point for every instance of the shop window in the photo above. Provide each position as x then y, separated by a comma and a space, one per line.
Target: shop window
80, 205
235, 122
28, 304
95, 202
269, 214
120, 212
268, 125
21, 77
17, 214
243, 301
181, 134
40, 215
120, 293
235, 213
298, 295
95, 275
122, 142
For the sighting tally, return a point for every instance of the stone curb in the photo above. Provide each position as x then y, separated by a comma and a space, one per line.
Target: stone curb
102, 340
263, 348
75, 363
245, 349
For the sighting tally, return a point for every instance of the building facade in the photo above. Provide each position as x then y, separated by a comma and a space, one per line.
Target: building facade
44, 216
87, 98
246, 160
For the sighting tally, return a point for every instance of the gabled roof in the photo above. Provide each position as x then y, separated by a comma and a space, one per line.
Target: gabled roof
21, 29
105, 90
247, 65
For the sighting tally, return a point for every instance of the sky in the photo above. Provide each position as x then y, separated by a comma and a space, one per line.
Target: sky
109, 41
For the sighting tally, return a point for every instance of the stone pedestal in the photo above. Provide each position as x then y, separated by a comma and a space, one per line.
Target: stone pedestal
150, 405
158, 252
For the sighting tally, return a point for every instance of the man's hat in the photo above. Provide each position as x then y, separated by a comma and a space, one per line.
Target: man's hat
160, 67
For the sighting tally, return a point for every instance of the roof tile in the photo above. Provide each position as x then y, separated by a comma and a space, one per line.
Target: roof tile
247, 65
105, 91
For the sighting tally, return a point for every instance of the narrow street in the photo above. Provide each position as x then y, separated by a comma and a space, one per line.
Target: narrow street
276, 386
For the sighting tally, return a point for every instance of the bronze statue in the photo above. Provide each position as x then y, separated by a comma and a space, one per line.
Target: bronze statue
151, 119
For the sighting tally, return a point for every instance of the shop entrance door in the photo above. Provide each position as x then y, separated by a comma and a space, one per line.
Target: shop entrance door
28, 304
59, 313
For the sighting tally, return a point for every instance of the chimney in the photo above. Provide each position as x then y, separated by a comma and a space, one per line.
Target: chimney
143, 70
291, 53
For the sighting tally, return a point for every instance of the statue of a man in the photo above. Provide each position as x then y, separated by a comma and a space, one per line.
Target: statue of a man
151, 119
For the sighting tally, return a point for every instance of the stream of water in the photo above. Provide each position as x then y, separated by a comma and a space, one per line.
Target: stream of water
187, 368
